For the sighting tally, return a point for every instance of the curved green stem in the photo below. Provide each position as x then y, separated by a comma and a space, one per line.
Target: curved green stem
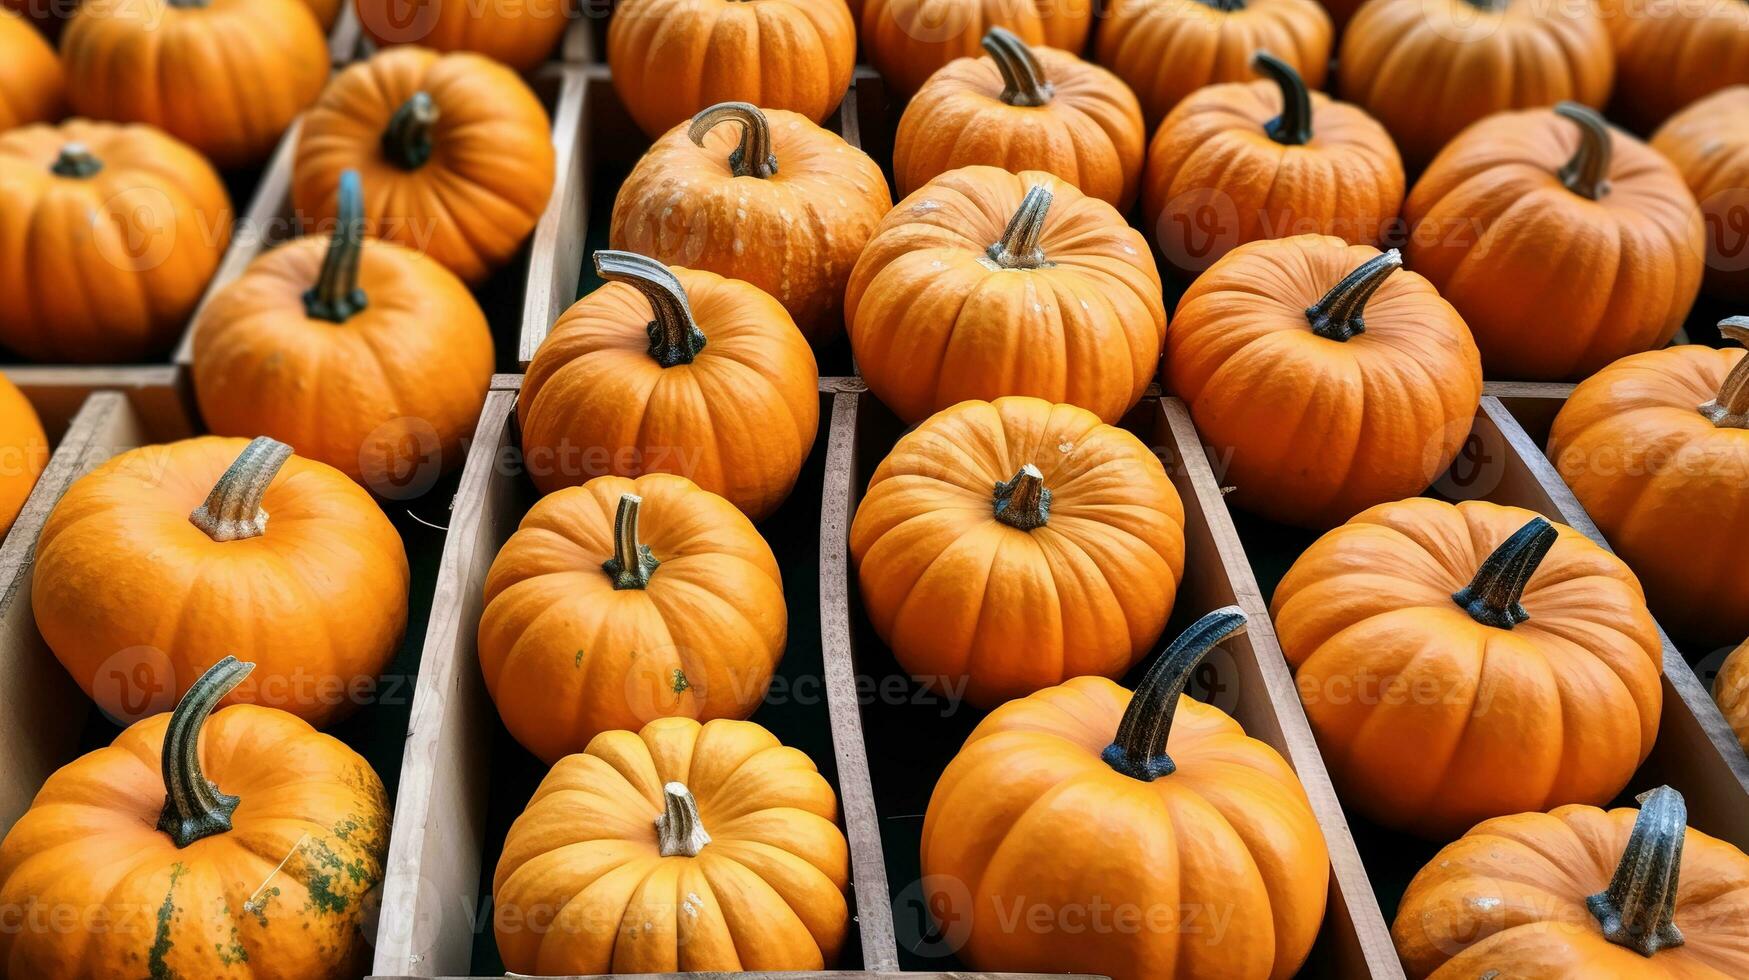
754, 156
1294, 126
76, 160
1139, 751
1638, 910
1587, 173
1493, 597
1023, 78
674, 335
407, 138
1338, 315
232, 511
680, 830
1227, 6
336, 296
1024, 502
1730, 410
193, 807
632, 563
1019, 245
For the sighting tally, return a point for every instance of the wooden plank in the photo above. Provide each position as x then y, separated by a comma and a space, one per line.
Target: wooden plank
1533, 403
346, 39
157, 392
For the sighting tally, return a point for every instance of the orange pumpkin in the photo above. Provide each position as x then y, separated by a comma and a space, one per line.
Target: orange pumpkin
326, 11
520, 34
1267, 159
224, 76
1580, 892
984, 283
361, 354
1655, 447
672, 371
455, 151
910, 40
725, 850
773, 200
1314, 328
1551, 213
162, 560
622, 601
1024, 108
1709, 144
248, 851
125, 213
24, 451
1731, 691
32, 87
1006, 546
1153, 808
1672, 53
673, 58
1429, 68
1436, 644
1167, 49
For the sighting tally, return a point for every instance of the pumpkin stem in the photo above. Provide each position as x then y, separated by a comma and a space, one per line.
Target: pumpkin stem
193, 807
76, 160
336, 297
1019, 248
1294, 126
232, 511
1023, 78
407, 138
1730, 410
1140, 748
1491, 6
1338, 315
1638, 910
674, 336
1024, 502
632, 563
1227, 6
680, 830
754, 156
1587, 173
1492, 597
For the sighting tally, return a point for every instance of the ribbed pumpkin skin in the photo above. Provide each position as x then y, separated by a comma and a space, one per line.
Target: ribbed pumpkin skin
1029, 813
1510, 896
1492, 226
934, 321
521, 35
1708, 143
1731, 691
671, 58
738, 421
89, 843
966, 601
475, 201
1212, 155
320, 599
701, 640
1167, 49
1670, 54
1392, 405
226, 77
376, 397
1418, 707
767, 893
1664, 484
144, 233
1089, 134
909, 40
795, 234
1429, 68
32, 86
24, 451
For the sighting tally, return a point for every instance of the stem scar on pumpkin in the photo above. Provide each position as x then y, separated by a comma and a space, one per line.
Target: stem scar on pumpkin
1730, 410
407, 138
1139, 751
632, 563
232, 510
1023, 78
754, 156
1638, 909
1294, 126
675, 338
1024, 501
680, 830
1338, 315
1587, 172
193, 807
1019, 246
76, 160
336, 295
1492, 597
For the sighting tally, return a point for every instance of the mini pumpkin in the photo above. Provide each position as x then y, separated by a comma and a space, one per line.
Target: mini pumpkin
984, 283
154, 565
1731, 691
766, 197
1708, 142
1024, 108
1007, 546
909, 40
725, 850
124, 213
1670, 54
1655, 447
1580, 892
241, 845
360, 353
1311, 327
1429, 68
1564, 243
1435, 644
1167, 49
1084, 797
673, 58
224, 76
521, 35
32, 87
672, 370
622, 601
1267, 159
24, 451
455, 152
